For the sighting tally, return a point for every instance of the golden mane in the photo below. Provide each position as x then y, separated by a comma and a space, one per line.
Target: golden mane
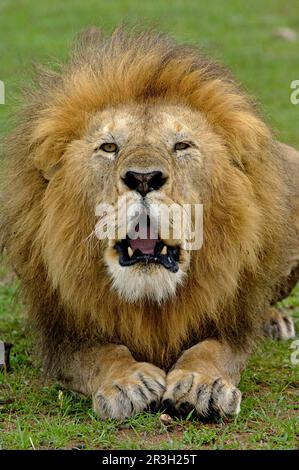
227, 288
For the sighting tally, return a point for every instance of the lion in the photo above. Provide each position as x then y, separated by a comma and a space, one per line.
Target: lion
147, 323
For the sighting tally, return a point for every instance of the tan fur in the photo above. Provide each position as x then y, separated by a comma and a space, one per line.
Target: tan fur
278, 326
204, 378
53, 184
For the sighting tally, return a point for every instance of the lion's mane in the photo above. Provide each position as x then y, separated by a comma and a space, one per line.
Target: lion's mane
230, 280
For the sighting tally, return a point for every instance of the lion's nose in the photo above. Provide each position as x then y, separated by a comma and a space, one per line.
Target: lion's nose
143, 183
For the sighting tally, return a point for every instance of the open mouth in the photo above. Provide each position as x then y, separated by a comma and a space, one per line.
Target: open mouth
148, 251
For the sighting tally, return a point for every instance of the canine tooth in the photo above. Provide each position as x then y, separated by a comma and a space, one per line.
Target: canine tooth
130, 251
164, 250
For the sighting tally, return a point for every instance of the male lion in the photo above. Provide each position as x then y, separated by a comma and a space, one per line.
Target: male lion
137, 323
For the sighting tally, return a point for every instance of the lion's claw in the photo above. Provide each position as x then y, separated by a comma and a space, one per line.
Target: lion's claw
207, 395
139, 388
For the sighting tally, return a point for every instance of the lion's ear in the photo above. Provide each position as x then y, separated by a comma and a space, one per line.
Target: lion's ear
48, 173
47, 158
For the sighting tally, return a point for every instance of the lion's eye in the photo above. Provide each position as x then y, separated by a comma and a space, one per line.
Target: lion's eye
181, 146
109, 147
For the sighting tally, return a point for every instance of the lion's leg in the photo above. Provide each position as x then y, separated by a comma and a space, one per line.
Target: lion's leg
120, 386
278, 326
204, 378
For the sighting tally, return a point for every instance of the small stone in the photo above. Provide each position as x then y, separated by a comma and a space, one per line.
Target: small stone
165, 419
287, 34
4, 356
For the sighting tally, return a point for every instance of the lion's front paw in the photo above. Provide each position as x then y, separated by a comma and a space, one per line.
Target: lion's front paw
130, 391
187, 390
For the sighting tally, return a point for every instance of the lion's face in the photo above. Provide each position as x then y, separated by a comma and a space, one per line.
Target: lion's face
137, 161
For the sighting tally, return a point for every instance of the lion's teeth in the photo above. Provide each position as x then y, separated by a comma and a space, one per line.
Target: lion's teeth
164, 250
130, 251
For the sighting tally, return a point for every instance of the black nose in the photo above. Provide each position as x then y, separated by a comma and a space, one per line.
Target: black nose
143, 183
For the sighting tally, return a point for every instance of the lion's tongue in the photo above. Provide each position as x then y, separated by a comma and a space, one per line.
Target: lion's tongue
146, 246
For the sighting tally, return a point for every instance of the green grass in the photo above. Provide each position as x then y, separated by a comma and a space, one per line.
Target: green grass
38, 414
35, 414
